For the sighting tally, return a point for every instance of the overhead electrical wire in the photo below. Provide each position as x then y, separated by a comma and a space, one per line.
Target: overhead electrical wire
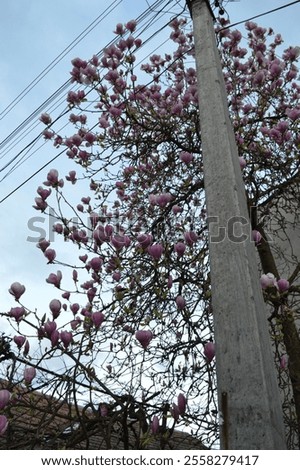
143, 16
52, 64
282, 7
27, 148
56, 95
63, 151
231, 25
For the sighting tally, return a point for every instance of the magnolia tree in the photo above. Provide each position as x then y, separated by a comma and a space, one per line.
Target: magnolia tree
128, 337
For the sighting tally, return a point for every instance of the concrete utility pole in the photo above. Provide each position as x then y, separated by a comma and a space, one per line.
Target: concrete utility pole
248, 393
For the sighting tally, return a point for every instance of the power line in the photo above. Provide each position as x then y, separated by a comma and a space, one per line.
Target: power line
67, 83
52, 64
261, 14
63, 151
64, 86
32, 176
35, 139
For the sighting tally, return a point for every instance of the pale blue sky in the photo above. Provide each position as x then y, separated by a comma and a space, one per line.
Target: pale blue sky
32, 34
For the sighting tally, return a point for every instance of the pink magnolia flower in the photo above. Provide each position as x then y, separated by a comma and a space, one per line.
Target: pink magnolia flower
3, 424
242, 163
144, 240
66, 337
72, 177
293, 114
26, 347
17, 290
120, 241
55, 279
55, 307
4, 398
209, 351
180, 248
119, 29
180, 302
44, 193
19, 340
75, 323
97, 319
50, 254
284, 361
29, 374
144, 337
267, 280
116, 276
131, 25
54, 338
17, 313
156, 251
45, 118
74, 308
43, 244
96, 263
49, 327
256, 236
283, 285
52, 179
181, 403
154, 426
190, 238
40, 204
91, 294
176, 209
186, 157
163, 199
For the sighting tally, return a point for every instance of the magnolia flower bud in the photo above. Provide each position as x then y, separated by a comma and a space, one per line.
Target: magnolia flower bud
180, 302
50, 254
97, 319
209, 351
181, 402
55, 307
29, 374
242, 163
144, 337
180, 248
3, 424
256, 236
96, 263
186, 157
156, 251
19, 340
154, 426
43, 244
284, 361
283, 285
17, 290
66, 337
55, 279
54, 338
267, 280
4, 398
17, 313
190, 237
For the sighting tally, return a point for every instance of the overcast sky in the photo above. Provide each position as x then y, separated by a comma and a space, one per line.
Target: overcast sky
33, 33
